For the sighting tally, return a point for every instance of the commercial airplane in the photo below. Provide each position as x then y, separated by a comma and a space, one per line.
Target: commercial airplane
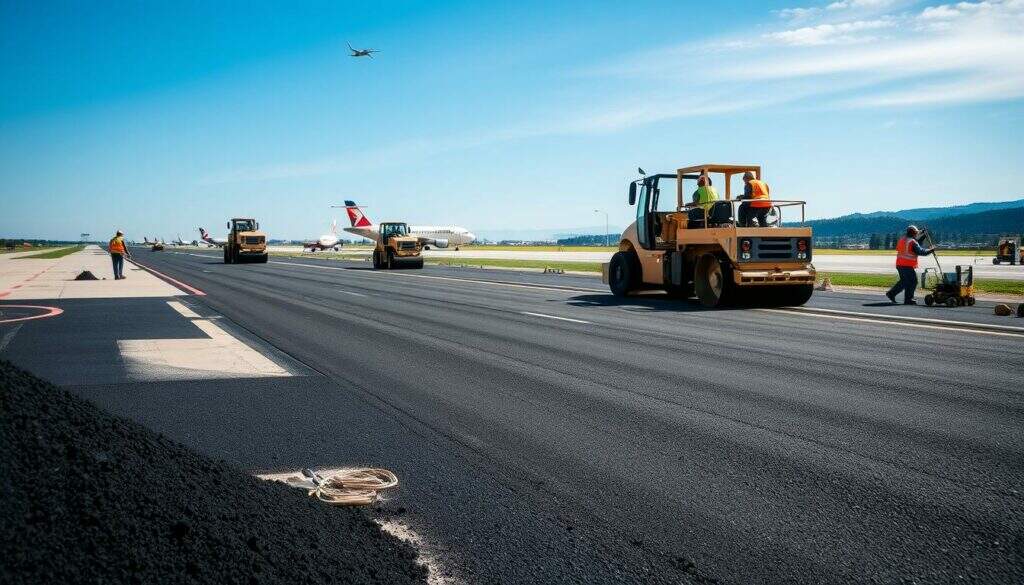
326, 241
179, 242
361, 52
156, 240
210, 240
440, 236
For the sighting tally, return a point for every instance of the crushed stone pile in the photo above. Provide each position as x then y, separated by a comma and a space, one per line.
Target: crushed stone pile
88, 497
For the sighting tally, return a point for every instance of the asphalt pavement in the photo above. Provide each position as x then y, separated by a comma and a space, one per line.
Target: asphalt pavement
545, 431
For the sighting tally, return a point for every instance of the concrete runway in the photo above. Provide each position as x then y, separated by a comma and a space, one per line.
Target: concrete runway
545, 431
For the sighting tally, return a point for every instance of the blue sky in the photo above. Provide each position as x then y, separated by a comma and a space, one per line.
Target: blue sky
159, 117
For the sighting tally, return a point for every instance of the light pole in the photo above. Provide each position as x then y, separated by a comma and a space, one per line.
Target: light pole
605, 225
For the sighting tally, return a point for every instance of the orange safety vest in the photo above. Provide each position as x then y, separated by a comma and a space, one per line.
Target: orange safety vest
116, 245
905, 255
759, 194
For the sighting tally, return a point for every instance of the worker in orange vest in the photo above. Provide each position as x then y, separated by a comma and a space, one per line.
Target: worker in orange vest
757, 203
907, 251
117, 253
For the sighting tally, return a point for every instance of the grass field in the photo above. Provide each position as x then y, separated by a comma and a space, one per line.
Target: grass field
835, 252
991, 285
51, 254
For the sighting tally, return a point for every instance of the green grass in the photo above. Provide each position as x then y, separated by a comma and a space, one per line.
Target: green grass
50, 255
510, 263
837, 252
988, 285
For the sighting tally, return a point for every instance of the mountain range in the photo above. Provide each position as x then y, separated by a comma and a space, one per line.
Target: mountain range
975, 219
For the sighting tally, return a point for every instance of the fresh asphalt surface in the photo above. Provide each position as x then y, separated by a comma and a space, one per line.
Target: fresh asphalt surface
546, 431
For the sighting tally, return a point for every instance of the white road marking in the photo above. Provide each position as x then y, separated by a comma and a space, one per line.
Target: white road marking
903, 318
891, 322
554, 317
220, 355
348, 292
9, 336
185, 311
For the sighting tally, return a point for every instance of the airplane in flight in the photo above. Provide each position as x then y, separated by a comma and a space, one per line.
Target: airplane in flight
325, 242
440, 236
361, 52
210, 240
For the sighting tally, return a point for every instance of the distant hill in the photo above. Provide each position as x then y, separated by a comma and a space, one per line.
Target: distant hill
996, 221
921, 213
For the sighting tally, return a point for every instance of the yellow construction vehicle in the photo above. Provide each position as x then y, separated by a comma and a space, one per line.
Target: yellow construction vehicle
396, 248
245, 242
692, 249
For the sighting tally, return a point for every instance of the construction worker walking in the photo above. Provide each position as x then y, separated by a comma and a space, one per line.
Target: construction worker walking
117, 253
907, 252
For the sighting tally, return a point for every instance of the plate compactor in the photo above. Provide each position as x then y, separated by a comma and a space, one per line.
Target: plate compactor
953, 289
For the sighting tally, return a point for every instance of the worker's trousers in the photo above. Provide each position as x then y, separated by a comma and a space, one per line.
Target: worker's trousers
118, 260
907, 284
747, 215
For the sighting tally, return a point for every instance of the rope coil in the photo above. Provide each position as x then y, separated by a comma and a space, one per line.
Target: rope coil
351, 487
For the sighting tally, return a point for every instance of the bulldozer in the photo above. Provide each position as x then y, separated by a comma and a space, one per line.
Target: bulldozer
245, 242
689, 249
396, 248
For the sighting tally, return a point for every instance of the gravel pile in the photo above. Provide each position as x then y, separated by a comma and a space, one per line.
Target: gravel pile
86, 497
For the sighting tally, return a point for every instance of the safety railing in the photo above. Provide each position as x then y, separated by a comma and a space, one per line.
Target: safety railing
776, 209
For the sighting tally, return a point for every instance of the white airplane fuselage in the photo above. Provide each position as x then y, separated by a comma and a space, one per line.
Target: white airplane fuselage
455, 235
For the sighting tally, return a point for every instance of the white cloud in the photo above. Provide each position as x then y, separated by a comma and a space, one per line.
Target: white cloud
859, 4
831, 34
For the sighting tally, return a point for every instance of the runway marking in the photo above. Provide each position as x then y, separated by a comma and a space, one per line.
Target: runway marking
220, 355
185, 311
50, 312
554, 317
348, 292
925, 320
891, 322
9, 336
176, 282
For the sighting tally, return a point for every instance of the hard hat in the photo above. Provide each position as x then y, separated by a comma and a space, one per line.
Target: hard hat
749, 175
912, 229
119, 233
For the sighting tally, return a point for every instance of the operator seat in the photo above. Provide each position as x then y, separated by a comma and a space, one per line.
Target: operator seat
719, 214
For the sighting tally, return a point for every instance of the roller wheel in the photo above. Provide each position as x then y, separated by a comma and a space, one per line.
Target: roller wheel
929, 300
951, 302
793, 295
418, 263
623, 273
970, 301
376, 259
227, 257
995, 261
1020, 310
263, 259
712, 281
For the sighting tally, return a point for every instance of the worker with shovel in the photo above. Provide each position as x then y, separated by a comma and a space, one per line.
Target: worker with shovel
117, 253
907, 251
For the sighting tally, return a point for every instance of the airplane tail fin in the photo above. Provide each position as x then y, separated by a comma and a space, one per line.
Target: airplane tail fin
203, 234
334, 227
355, 215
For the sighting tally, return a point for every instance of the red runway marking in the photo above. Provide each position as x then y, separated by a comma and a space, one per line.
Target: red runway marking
178, 283
50, 312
